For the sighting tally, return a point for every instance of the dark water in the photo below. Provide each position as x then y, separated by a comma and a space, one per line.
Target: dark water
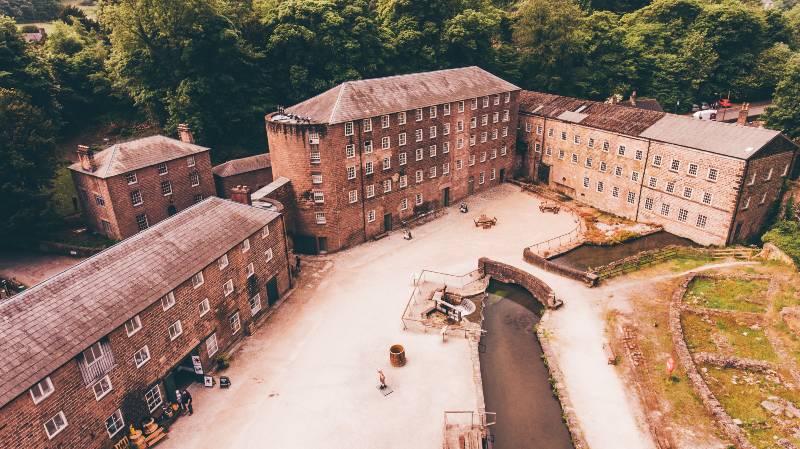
586, 256
515, 379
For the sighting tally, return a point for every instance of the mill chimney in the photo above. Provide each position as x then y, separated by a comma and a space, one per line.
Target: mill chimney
743, 112
86, 158
185, 134
241, 194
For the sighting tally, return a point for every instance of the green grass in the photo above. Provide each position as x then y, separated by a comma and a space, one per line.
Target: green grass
86, 239
728, 294
685, 263
742, 401
742, 340
786, 236
63, 192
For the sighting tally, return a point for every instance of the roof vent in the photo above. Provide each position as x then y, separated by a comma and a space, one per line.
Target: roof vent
748, 149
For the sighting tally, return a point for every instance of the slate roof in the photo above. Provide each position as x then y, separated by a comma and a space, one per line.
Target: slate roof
353, 100
243, 165
127, 156
616, 118
49, 324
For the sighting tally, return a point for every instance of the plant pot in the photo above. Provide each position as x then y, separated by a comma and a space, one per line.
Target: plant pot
397, 355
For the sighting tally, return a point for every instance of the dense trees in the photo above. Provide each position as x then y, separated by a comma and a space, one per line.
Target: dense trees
785, 115
30, 10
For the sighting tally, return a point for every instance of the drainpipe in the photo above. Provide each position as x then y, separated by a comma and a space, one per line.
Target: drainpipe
730, 237
544, 133
641, 182
286, 249
362, 196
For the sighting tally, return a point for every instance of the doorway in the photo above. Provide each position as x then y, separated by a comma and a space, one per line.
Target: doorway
544, 173
387, 222
471, 185
323, 244
272, 291
182, 375
446, 196
502, 175
171, 210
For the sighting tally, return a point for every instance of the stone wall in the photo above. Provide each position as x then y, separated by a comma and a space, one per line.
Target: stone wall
589, 279
506, 273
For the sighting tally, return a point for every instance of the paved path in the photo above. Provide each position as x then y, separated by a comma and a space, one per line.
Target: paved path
307, 378
32, 267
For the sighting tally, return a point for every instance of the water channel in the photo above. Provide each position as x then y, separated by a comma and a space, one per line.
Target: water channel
586, 256
515, 379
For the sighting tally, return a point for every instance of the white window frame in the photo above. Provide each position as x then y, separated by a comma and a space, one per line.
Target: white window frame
268, 254
350, 150
401, 118
198, 279
178, 327
119, 425
370, 215
245, 245
143, 350
222, 262
45, 388
235, 322
352, 196
209, 346
58, 428
348, 128
204, 306
227, 288
133, 325
149, 398
366, 124
170, 301
105, 385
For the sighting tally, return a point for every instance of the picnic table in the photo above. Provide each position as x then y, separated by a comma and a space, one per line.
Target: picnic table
485, 222
549, 207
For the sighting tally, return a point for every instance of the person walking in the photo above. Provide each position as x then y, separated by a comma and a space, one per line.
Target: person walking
179, 401
187, 401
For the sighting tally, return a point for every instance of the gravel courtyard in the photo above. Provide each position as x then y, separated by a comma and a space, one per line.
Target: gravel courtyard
307, 378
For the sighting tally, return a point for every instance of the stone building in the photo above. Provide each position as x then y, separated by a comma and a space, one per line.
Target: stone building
711, 182
135, 322
366, 156
131, 186
254, 172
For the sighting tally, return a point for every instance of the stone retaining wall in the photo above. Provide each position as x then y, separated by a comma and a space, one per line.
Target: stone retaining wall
758, 366
506, 273
712, 405
589, 279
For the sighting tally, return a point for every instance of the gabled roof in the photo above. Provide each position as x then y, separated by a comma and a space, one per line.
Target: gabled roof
49, 324
353, 100
243, 165
127, 156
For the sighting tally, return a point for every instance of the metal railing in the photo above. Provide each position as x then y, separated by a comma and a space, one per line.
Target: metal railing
429, 278
91, 373
559, 240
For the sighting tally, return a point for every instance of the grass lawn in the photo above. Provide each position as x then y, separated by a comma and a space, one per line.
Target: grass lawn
743, 401
728, 294
63, 192
737, 339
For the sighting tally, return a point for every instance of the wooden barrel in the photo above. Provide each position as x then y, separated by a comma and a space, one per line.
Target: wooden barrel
397, 355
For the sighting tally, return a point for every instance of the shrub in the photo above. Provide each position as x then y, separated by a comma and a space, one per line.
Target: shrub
786, 236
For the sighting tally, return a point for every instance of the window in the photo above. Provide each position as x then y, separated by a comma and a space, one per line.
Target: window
550, 132
133, 325
675, 165
403, 181
459, 164
42, 390
235, 323
190, 161
246, 245
590, 143
606, 146
653, 183
136, 199
432, 172
316, 158
348, 129
671, 187
446, 168
528, 127
635, 176
548, 151
576, 139
617, 171
194, 179
445, 147
574, 158
503, 150
385, 143
471, 160
319, 197
588, 162
495, 117
404, 204
484, 119
432, 112
446, 129
600, 186
367, 147
446, 108
166, 188
255, 304
648, 203
401, 118
131, 178
494, 134
481, 178
631, 197
250, 269
197, 197
769, 175
683, 214
563, 135
692, 170
483, 157
211, 344
460, 126
508, 97
418, 114
785, 170
539, 129
168, 300
403, 158
418, 135
153, 398
432, 150
371, 215
114, 423
320, 217
418, 154
665, 209
496, 99
368, 170
204, 306
384, 121
99, 200
474, 104
561, 154
746, 203
162, 168
222, 262
656, 161
351, 172
615, 192
401, 139
141, 356
471, 139
227, 287
268, 254
621, 150
387, 185
486, 102
55, 425
316, 178
701, 221
197, 279
603, 166
763, 198
493, 154
473, 122
352, 197
175, 330
752, 179
418, 176
418, 199
460, 143
585, 182
687, 192
101, 388
712, 174
639, 155
707, 198
461, 106
505, 115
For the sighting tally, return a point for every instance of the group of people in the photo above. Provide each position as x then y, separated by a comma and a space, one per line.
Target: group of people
184, 400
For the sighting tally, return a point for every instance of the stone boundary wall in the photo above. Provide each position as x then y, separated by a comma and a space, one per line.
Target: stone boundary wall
772, 252
589, 279
506, 273
710, 402
758, 366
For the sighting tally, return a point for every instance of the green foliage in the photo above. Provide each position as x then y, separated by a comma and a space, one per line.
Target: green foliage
786, 236
30, 10
784, 115
790, 213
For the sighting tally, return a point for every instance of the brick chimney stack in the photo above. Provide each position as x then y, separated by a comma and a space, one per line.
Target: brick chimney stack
633, 98
743, 111
86, 158
185, 134
241, 194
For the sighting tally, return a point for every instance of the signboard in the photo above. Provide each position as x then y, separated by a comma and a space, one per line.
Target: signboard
208, 381
198, 367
